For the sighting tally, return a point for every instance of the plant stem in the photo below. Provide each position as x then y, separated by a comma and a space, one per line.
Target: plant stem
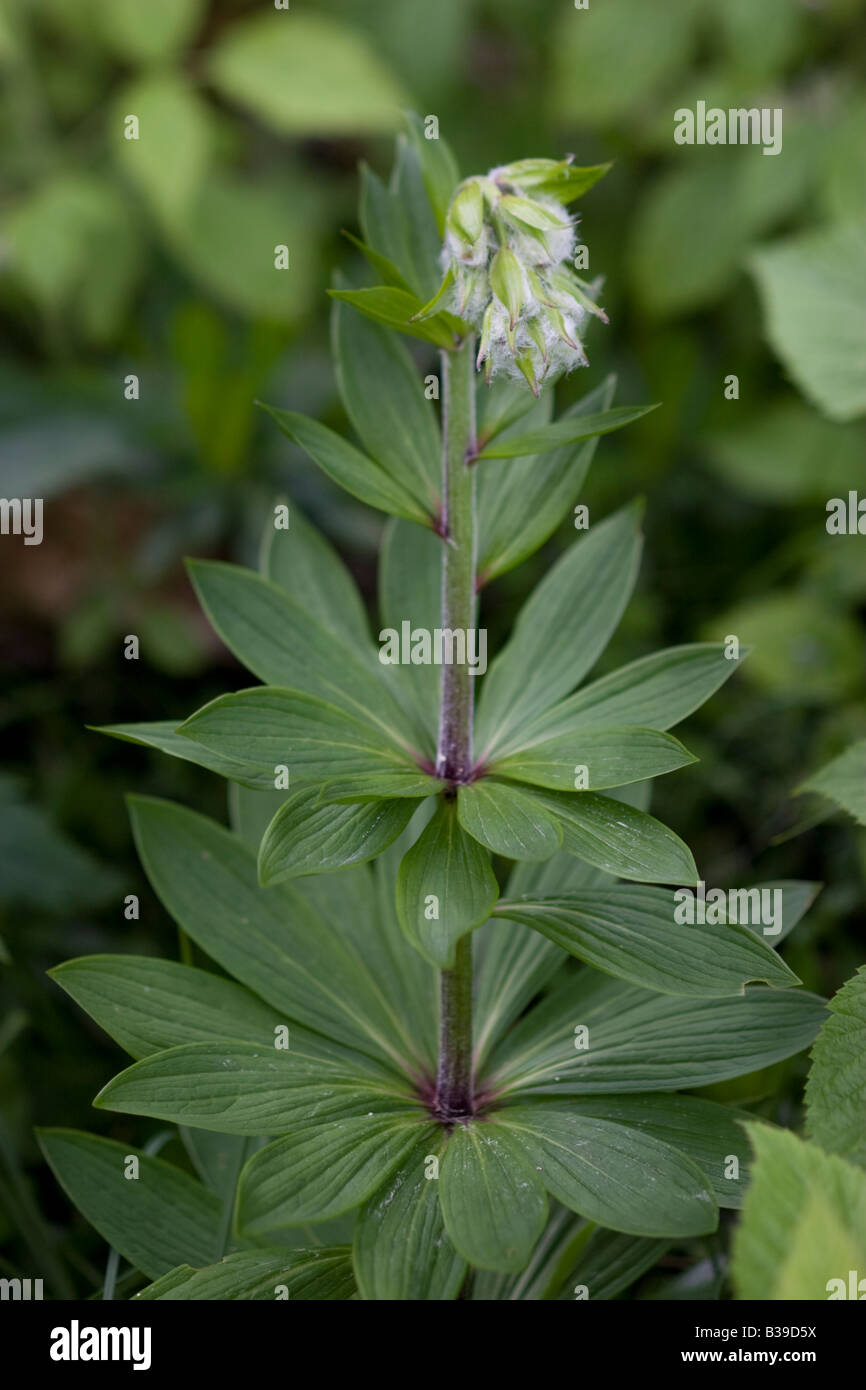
454, 1097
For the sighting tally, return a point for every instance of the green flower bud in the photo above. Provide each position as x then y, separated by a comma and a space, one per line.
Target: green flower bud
506, 282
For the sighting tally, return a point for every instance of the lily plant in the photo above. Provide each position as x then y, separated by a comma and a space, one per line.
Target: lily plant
445, 1036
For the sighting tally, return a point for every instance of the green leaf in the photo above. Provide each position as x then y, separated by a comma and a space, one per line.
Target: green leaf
284, 646
324, 1170
301, 562
567, 430
274, 940
521, 503
492, 1200
801, 641
388, 271
619, 839
305, 75
609, 1263
445, 887
507, 821
631, 1182
812, 287
654, 692
604, 757
438, 167
145, 35
161, 734
561, 630
402, 1251
384, 397
395, 308
513, 968
633, 933
161, 1219
643, 1041
410, 582
843, 781
308, 836
787, 453
709, 1134
242, 1088
148, 1005
348, 467
286, 728
166, 169
836, 1086
803, 1221
261, 1275
797, 897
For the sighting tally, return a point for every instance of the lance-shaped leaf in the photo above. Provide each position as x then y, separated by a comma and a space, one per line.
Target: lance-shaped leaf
597, 1035
493, 1202
162, 1219
241, 1088
608, 1263
323, 1170
261, 1275
410, 583
148, 1005
273, 728
836, 1086
162, 735
304, 565
311, 836
521, 503
655, 692
402, 1252
711, 1135
384, 398
561, 630
630, 1182
563, 431
507, 821
277, 941
594, 759
395, 308
514, 967
620, 839
632, 932
445, 887
283, 645
388, 271
348, 467
438, 167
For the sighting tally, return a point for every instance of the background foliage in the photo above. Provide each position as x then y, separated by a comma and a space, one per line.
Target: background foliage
155, 258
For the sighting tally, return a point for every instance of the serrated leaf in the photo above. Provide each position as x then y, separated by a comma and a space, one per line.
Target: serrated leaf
402, 1251
324, 1170
311, 836
561, 630
242, 1088
593, 758
630, 1182
507, 821
836, 1088
798, 1191
161, 1219
639, 1040
566, 430
445, 887
843, 781
632, 932
261, 1275
348, 467
492, 1200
